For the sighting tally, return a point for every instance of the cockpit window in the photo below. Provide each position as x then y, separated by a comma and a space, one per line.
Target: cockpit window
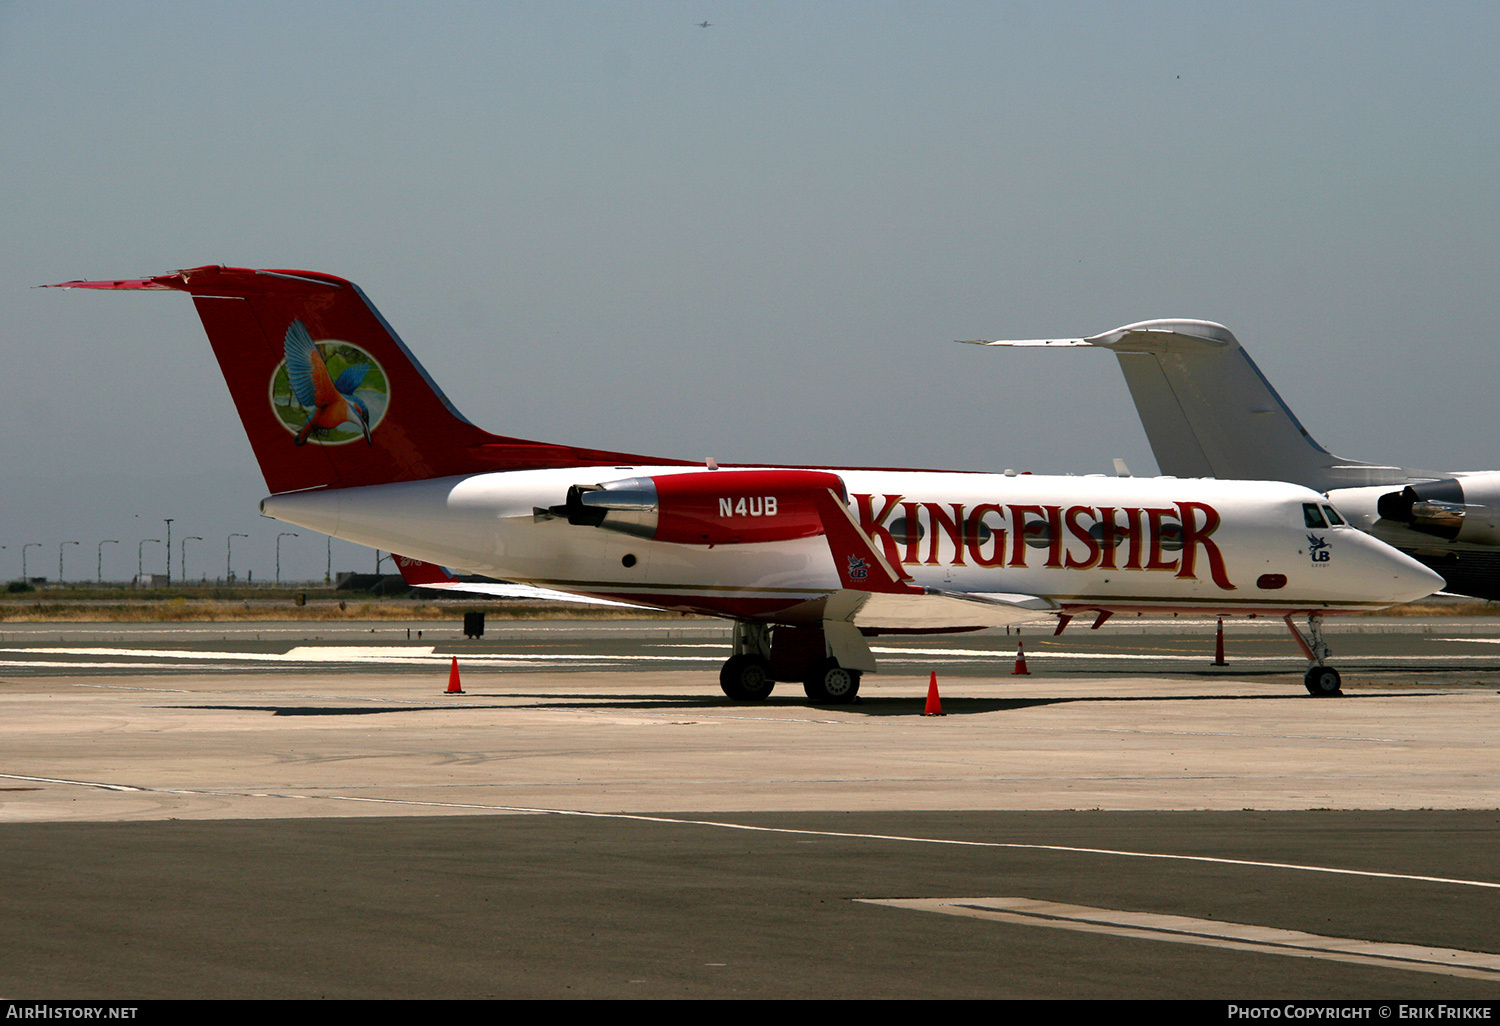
1334, 520
1310, 515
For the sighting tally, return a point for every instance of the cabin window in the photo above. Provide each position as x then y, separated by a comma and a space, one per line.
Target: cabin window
1334, 520
906, 531
1038, 534
1171, 537
1311, 515
1115, 538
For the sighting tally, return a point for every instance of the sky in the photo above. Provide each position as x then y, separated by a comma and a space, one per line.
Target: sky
600, 224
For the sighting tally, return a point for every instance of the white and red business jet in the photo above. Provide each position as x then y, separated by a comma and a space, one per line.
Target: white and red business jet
356, 441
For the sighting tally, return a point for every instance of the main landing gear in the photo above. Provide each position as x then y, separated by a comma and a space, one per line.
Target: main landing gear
800, 653
827, 682
746, 678
1320, 679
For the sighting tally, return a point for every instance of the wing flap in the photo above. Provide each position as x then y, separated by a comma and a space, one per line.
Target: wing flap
933, 610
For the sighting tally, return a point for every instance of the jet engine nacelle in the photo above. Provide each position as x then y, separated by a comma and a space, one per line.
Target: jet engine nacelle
1465, 509
709, 507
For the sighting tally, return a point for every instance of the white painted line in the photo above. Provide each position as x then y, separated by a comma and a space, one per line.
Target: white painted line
75, 783
1048, 655
397, 655
1211, 933
640, 818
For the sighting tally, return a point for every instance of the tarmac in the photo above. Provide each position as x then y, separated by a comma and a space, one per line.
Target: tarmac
299, 810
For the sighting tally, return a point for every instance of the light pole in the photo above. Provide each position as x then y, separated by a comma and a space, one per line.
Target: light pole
169, 551
139, 573
23, 559
182, 563
228, 554
107, 541
59, 559
280, 536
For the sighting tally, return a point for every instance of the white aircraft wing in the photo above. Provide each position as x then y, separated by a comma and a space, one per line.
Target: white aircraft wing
428, 575
875, 596
931, 608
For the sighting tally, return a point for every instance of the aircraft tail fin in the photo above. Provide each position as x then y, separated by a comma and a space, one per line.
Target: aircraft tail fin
329, 395
419, 574
1208, 410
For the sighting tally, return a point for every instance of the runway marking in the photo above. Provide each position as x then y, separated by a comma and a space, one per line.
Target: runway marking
849, 835
1007, 655
189, 659
392, 655
76, 783
227, 666
1479, 965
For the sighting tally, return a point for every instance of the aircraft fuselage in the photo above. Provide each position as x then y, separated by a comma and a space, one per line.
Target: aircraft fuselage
1191, 545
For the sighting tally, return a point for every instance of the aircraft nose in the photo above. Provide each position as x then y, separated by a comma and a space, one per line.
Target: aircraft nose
1413, 580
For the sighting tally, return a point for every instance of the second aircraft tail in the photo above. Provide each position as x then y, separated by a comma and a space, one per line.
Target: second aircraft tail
1208, 410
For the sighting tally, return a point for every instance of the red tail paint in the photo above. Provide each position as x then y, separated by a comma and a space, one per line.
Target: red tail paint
330, 396
417, 573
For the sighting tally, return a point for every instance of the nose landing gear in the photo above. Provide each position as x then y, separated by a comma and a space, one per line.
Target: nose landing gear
1320, 679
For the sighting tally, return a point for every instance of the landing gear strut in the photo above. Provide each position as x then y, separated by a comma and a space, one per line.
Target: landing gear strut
746, 677
1320, 679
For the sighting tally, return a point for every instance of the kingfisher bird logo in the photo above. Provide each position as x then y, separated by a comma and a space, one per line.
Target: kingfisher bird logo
327, 392
1318, 549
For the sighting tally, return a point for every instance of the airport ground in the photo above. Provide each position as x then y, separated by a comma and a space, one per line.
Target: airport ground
285, 809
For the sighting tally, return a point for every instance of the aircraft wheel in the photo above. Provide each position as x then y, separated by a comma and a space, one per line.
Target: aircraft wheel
828, 682
1322, 680
746, 678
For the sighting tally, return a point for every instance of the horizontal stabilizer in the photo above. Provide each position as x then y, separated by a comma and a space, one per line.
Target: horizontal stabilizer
1026, 342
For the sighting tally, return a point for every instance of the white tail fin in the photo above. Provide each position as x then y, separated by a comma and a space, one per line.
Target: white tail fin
1208, 411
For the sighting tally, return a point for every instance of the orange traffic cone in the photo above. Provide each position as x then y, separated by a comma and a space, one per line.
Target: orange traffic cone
1020, 661
934, 704
453, 686
1219, 646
